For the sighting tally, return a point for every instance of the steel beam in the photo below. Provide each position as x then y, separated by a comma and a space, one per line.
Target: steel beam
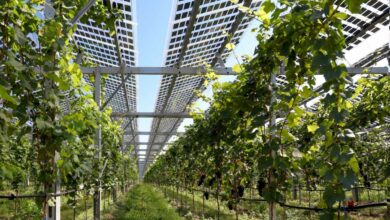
151, 115
149, 143
130, 123
154, 150
271, 178
195, 71
121, 67
158, 70
153, 133
124, 87
191, 24
368, 70
115, 92
233, 29
379, 54
82, 11
123, 84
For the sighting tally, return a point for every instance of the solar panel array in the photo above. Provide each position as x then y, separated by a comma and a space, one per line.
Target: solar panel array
101, 49
357, 27
198, 35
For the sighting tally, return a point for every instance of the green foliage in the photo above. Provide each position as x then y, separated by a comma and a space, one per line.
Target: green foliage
234, 145
38, 76
354, 5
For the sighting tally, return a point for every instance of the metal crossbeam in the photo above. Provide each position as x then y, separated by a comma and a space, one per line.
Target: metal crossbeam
190, 28
82, 11
121, 67
124, 79
151, 115
157, 70
133, 139
233, 29
372, 58
153, 133
194, 71
367, 70
149, 143
115, 92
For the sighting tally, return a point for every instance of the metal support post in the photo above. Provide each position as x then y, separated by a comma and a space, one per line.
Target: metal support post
97, 194
55, 211
272, 205
57, 190
388, 57
355, 193
271, 178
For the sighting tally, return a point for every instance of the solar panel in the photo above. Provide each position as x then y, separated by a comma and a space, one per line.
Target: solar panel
102, 50
357, 27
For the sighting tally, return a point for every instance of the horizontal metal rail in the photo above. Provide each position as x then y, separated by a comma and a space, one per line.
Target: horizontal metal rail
157, 70
368, 70
154, 143
153, 133
196, 71
43, 195
151, 115
200, 70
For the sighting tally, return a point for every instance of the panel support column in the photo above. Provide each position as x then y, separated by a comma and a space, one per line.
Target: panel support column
54, 212
98, 141
388, 57
271, 179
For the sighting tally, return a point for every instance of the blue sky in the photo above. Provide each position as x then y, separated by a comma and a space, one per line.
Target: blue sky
153, 19
153, 23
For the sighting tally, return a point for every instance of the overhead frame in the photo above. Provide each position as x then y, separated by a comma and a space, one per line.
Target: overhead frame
194, 38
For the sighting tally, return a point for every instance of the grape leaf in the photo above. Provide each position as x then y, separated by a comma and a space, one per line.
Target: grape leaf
6, 96
354, 5
312, 128
230, 46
